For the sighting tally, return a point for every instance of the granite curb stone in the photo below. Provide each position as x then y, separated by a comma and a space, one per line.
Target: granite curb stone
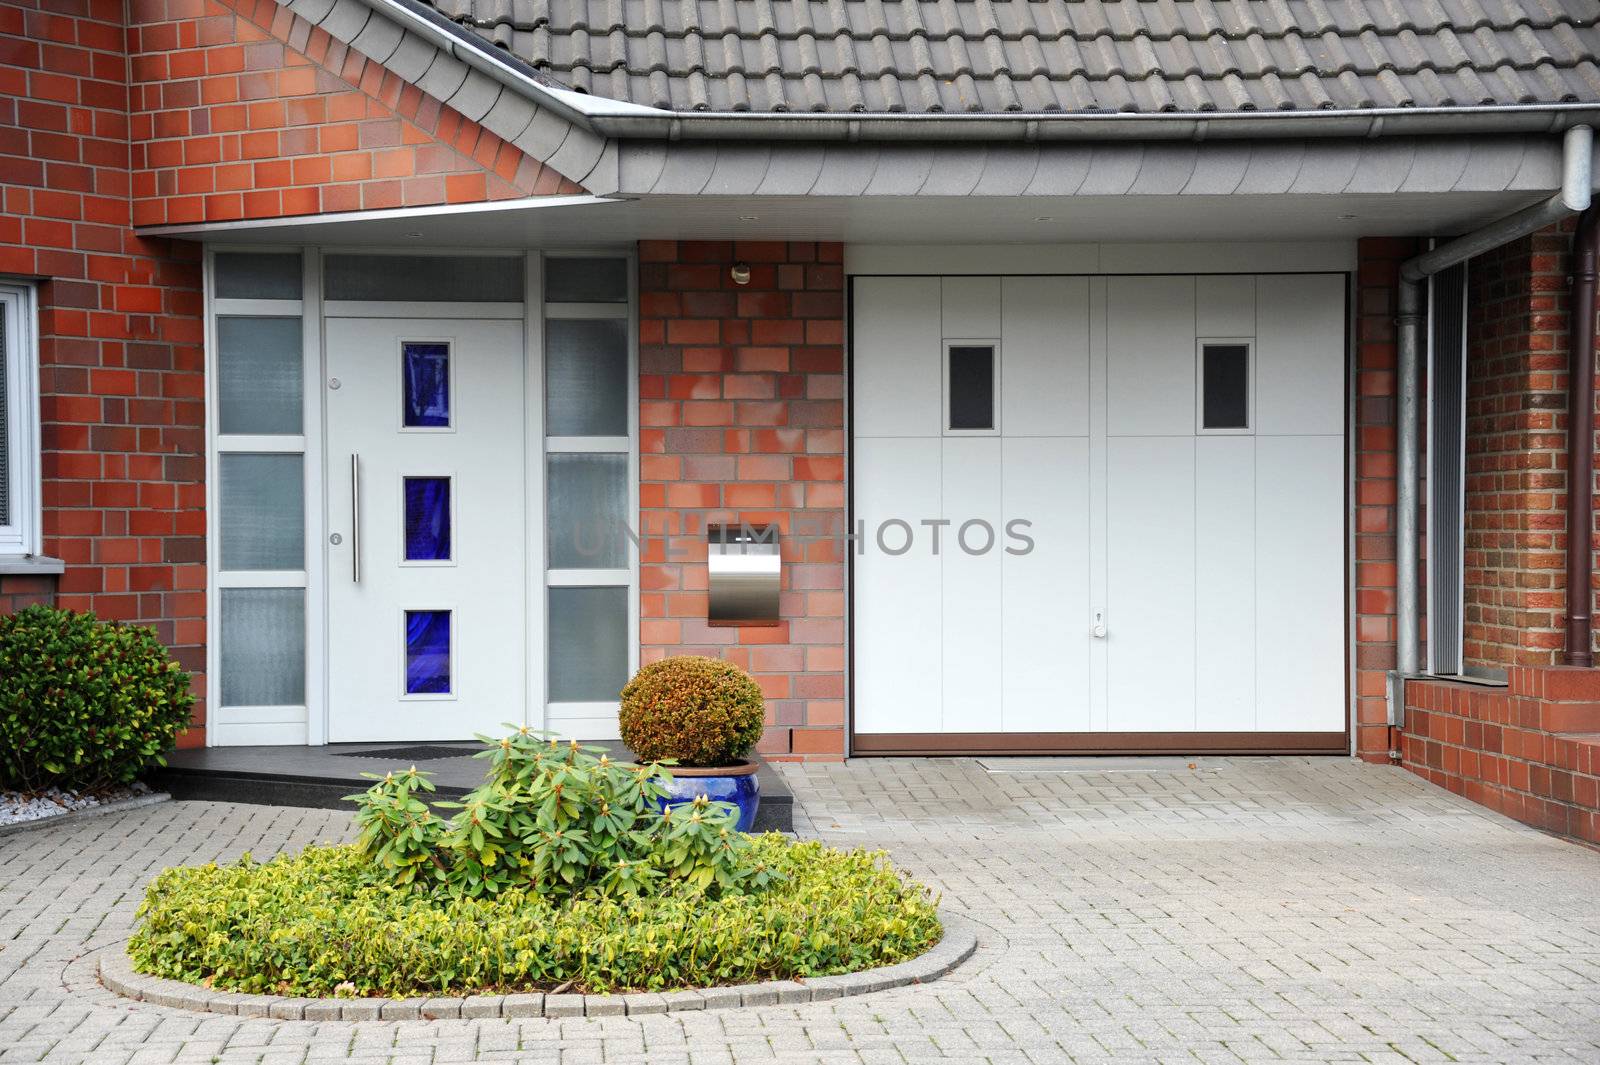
958, 944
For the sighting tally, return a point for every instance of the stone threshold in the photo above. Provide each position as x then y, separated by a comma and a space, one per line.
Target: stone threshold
957, 945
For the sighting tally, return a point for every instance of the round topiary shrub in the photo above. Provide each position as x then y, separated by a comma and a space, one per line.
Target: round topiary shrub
698, 711
83, 703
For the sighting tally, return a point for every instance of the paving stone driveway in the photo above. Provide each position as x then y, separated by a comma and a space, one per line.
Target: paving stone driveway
1242, 910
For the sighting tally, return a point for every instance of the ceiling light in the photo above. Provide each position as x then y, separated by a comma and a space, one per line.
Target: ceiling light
1044, 218
749, 218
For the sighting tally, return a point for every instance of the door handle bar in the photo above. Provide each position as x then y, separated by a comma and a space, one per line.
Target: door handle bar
355, 517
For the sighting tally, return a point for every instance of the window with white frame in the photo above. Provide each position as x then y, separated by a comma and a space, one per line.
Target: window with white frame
19, 422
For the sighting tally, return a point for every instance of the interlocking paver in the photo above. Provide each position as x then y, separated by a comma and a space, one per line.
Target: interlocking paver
1240, 910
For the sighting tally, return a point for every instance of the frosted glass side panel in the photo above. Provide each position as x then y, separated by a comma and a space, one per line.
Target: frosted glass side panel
588, 511
263, 647
586, 377
259, 376
256, 276
588, 644
586, 280
263, 512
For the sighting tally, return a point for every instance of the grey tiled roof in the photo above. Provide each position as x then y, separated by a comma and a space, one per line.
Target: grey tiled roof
996, 56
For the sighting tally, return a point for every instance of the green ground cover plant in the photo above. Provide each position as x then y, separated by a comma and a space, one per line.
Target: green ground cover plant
561, 869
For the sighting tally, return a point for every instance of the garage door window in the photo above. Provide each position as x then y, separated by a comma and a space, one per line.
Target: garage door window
1224, 386
971, 370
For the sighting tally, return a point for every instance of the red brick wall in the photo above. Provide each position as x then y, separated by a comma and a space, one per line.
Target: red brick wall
741, 417
242, 109
22, 590
121, 396
1516, 465
1378, 273
1530, 751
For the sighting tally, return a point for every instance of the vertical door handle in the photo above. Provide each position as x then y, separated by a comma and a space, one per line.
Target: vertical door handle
355, 517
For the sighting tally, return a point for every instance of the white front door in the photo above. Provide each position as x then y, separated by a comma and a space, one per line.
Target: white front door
426, 565
1099, 505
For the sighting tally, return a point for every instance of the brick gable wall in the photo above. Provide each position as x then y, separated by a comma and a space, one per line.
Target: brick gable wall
741, 416
242, 109
120, 361
220, 109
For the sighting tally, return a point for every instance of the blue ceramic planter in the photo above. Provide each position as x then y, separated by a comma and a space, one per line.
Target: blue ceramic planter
736, 784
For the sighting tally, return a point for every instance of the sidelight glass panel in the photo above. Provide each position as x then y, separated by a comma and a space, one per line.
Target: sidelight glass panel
257, 276
588, 511
427, 652
1225, 386
263, 647
425, 384
263, 512
586, 280
427, 519
259, 376
588, 644
971, 386
586, 377
424, 278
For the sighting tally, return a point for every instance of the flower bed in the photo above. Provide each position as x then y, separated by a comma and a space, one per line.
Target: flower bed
563, 872
321, 923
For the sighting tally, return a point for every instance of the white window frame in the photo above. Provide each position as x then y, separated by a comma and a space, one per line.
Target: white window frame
19, 363
993, 343
1249, 345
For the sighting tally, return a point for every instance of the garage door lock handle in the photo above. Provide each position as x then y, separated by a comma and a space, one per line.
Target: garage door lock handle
1098, 629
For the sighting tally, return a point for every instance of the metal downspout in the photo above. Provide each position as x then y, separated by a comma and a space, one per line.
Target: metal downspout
1577, 182
1580, 442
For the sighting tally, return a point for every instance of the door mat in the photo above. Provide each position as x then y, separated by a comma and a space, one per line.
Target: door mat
420, 753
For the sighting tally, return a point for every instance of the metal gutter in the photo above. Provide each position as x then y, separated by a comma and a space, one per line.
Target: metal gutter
624, 120
1575, 195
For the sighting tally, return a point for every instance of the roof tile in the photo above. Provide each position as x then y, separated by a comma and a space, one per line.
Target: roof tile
995, 56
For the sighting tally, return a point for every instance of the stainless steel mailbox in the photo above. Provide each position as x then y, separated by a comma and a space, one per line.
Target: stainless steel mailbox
744, 572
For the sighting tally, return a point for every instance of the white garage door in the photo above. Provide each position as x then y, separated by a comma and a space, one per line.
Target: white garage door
1098, 513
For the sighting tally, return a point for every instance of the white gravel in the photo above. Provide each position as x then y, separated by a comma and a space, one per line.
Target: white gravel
17, 807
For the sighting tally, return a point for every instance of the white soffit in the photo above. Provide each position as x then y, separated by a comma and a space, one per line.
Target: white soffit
587, 220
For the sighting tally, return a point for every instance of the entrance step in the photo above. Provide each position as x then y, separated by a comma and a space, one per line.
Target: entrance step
320, 777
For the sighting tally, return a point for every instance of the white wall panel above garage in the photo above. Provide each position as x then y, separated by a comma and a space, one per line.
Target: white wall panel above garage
896, 378
1150, 356
1044, 367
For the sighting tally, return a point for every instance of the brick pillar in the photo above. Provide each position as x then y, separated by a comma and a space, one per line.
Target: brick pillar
741, 417
1378, 273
